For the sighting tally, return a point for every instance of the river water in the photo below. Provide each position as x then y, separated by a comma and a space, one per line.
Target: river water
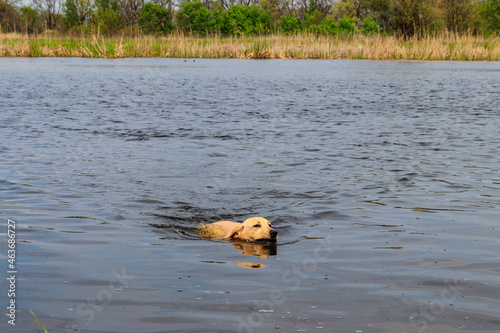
382, 179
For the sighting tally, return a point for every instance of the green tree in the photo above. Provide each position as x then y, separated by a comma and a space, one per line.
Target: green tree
49, 12
238, 21
326, 27
108, 19
490, 14
404, 17
9, 17
271, 8
192, 16
154, 19
260, 20
77, 12
380, 11
70, 18
369, 26
108, 4
30, 19
129, 10
346, 25
409, 17
461, 15
289, 24
242, 20
311, 7
313, 18
344, 8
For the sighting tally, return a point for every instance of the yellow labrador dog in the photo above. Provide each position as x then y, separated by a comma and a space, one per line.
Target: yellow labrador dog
252, 229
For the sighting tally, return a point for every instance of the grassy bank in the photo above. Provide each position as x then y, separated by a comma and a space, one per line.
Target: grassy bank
443, 47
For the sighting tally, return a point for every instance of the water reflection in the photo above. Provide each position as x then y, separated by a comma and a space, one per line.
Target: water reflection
256, 249
252, 265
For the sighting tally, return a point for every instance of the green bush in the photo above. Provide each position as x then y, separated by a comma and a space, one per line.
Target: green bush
155, 19
248, 21
313, 19
326, 27
289, 24
192, 16
238, 22
369, 26
261, 21
346, 25
490, 13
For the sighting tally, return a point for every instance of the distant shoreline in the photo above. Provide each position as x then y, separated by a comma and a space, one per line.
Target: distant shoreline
446, 46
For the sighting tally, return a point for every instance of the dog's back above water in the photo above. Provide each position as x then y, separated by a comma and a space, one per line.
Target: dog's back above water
252, 229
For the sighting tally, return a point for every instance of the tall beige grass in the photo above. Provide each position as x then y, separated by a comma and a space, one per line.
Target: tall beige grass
445, 46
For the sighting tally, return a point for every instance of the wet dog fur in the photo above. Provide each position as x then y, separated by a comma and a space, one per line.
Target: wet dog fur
252, 229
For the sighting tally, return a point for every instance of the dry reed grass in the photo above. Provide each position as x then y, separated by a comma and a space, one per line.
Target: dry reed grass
446, 46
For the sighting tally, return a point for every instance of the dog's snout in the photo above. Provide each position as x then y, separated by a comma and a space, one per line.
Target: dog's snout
273, 233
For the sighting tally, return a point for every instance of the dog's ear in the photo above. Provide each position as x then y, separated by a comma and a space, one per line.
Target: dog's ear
236, 232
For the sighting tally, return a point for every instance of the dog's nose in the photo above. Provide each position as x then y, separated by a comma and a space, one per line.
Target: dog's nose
273, 233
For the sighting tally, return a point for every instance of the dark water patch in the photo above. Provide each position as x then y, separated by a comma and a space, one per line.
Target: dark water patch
328, 215
176, 231
84, 242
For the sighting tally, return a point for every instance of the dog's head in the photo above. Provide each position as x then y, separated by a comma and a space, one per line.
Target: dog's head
255, 229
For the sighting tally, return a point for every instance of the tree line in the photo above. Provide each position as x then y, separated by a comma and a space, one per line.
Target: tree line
404, 18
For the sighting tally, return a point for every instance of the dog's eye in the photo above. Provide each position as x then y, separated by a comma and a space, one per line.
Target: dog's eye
257, 226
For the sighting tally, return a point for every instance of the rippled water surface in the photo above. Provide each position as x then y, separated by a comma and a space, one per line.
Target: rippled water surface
382, 179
